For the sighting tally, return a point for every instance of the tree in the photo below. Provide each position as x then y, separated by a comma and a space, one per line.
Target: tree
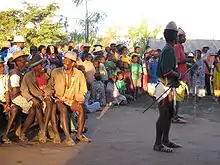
42, 30
140, 35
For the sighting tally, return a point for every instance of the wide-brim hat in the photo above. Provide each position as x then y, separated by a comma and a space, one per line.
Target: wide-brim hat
71, 55
98, 49
18, 54
35, 60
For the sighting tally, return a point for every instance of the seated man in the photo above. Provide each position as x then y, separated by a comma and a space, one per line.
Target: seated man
31, 107
4, 96
68, 86
32, 88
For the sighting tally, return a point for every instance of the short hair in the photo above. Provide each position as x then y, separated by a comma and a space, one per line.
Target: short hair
170, 35
120, 72
33, 49
134, 56
112, 44
41, 47
136, 47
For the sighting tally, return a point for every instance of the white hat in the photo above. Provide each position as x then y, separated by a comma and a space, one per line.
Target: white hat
98, 44
190, 55
98, 49
18, 39
71, 55
171, 26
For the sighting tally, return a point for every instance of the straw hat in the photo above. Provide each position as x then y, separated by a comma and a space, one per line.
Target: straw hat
71, 55
18, 39
98, 49
18, 54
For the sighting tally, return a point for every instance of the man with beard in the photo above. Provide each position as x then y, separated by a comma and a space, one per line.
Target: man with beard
67, 86
168, 77
182, 68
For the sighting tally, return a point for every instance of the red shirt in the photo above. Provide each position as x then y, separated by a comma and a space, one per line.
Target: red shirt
179, 51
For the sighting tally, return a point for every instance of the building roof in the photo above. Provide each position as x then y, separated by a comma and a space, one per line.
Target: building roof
189, 45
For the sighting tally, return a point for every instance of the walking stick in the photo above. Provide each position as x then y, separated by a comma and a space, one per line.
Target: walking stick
188, 70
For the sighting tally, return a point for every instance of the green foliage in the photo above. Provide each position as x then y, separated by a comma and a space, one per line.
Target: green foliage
42, 30
141, 34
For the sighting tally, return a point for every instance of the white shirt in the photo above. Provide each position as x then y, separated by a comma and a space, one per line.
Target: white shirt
15, 81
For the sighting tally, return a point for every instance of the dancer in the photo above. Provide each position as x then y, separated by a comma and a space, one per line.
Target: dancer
168, 77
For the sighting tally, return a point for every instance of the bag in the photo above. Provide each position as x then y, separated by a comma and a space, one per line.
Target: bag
180, 91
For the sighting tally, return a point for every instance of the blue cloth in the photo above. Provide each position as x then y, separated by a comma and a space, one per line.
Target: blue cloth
153, 67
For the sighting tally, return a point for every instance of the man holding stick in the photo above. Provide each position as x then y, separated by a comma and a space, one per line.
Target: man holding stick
168, 80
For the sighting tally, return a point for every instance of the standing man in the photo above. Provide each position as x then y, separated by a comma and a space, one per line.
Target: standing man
68, 86
182, 67
168, 77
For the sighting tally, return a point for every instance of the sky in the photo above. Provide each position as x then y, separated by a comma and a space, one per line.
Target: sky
198, 18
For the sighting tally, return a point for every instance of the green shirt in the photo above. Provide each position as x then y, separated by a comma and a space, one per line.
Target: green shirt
135, 69
121, 86
109, 65
167, 63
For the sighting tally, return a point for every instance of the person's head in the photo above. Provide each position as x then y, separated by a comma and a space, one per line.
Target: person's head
86, 48
198, 54
137, 49
37, 64
107, 49
65, 47
190, 55
102, 59
205, 49
134, 59
19, 40
112, 78
2, 69
71, 48
98, 51
124, 50
96, 64
125, 65
51, 49
181, 36
72, 43
109, 57
69, 61
42, 49
5, 45
170, 33
33, 50
98, 77
159, 51
120, 76
120, 64
19, 60
113, 47
88, 57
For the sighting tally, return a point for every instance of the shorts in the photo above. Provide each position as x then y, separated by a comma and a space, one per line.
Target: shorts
23, 103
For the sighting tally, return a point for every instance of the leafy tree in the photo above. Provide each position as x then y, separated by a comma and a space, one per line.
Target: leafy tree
42, 30
141, 34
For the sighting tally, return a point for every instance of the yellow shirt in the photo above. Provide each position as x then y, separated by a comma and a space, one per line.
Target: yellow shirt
126, 59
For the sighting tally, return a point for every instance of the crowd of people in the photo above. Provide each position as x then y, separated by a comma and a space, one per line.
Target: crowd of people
55, 86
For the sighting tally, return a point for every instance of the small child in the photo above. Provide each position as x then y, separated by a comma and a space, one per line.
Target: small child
136, 74
112, 94
110, 65
103, 71
127, 78
121, 86
98, 91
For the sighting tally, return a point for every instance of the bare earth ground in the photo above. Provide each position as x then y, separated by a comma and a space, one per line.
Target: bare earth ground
125, 136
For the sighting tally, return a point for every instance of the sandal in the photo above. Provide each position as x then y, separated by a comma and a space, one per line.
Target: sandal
56, 139
22, 137
6, 140
42, 137
172, 145
69, 142
83, 138
162, 148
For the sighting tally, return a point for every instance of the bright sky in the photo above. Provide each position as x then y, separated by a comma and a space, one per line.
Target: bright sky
190, 15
